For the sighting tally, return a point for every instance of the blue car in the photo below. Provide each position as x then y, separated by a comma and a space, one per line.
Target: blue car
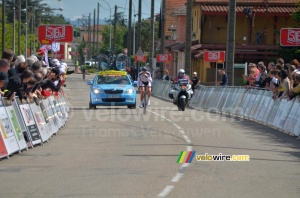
112, 88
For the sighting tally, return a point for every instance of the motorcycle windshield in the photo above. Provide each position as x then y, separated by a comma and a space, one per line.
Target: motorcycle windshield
183, 82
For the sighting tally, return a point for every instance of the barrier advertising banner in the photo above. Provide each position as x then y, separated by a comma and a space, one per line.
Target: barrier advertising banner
16, 126
40, 122
50, 116
58, 112
30, 124
9, 138
3, 151
54, 112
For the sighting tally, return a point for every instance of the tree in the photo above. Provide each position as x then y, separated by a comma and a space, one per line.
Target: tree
121, 31
145, 33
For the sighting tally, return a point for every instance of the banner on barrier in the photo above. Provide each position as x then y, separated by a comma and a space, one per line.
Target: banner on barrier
15, 124
30, 124
8, 132
3, 151
50, 117
40, 122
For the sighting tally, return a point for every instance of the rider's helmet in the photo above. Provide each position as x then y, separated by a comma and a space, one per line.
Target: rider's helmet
144, 69
181, 71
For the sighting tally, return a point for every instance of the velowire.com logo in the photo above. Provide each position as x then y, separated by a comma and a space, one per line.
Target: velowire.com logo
188, 156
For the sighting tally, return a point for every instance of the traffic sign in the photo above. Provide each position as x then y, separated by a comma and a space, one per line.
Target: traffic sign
214, 56
140, 58
290, 37
73, 53
55, 33
163, 58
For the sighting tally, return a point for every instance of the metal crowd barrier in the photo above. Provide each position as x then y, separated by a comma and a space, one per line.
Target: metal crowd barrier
24, 125
253, 104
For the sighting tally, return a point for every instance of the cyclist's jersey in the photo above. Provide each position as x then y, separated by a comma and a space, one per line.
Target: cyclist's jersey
143, 80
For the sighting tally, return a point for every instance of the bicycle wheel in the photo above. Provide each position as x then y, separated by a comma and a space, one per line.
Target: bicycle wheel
145, 102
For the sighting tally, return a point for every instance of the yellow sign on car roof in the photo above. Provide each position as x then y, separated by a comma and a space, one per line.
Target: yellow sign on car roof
112, 73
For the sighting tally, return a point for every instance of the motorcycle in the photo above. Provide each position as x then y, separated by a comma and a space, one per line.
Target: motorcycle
181, 93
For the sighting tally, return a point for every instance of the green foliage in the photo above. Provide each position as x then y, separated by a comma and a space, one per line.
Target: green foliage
121, 31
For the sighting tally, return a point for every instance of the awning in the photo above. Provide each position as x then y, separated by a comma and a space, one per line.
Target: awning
260, 10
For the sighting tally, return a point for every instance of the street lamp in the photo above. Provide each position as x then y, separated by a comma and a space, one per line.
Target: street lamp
110, 23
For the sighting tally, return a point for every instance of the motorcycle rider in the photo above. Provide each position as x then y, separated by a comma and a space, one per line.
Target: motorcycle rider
144, 81
181, 76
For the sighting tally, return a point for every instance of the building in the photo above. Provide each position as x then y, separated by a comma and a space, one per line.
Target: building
258, 24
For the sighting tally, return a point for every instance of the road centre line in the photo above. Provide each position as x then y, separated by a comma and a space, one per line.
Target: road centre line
179, 173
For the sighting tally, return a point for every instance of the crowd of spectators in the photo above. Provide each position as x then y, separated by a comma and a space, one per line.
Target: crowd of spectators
30, 78
283, 79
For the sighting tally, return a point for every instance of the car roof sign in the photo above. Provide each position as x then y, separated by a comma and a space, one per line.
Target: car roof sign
112, 73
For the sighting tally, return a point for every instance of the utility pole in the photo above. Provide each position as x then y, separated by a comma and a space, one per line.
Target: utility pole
97, 46
94, 32
139, 25
188, 37
89, 36
151, 54
3, 25
129, 38
139, 32
19, 29
115, 27
14, 28
163, 33
26, 28
230, 46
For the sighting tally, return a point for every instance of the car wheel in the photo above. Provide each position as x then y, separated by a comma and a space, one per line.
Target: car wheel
92, 106
132, 106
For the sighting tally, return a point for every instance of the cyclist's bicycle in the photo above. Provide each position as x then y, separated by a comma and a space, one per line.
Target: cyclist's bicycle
145, 100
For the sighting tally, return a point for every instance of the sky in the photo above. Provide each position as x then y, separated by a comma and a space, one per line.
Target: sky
74, 9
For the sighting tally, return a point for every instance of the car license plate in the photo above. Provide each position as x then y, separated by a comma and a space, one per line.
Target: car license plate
113, 96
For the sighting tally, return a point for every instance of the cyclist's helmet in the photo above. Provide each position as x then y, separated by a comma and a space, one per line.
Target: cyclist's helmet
144, 69
181, 71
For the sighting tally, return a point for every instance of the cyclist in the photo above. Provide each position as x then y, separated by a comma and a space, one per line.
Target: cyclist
144, 80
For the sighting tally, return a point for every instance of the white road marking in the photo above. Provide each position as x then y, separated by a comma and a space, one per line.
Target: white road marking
189, 148
179, 173
166, 191
177, 177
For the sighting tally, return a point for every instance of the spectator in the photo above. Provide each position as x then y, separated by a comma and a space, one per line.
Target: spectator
274, 81
3, 79
195, 80
21, 67
280, 62
166, 75
271, 66
296, 90
29, 61
296, 63
284, 84
224, 79
4, 65
261, 79
48, 83
20, 59
36, 66
8, 54
17, 84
